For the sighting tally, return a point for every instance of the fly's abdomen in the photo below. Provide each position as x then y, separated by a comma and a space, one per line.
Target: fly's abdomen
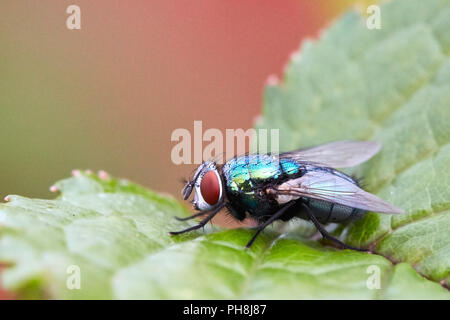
327, 212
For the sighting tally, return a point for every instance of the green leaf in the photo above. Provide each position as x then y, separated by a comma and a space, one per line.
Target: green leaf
98, 225
391, 85
115, 232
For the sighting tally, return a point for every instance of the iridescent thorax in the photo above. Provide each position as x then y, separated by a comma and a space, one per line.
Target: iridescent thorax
247, 176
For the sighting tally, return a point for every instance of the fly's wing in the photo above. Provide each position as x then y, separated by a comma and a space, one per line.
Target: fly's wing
331, 188
339, 154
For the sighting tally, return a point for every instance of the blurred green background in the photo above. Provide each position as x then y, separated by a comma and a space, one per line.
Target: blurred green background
108, 96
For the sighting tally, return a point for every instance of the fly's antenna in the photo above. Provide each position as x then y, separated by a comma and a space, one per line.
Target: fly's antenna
187, 190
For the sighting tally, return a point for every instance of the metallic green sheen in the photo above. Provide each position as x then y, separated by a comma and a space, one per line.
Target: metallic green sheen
244, 174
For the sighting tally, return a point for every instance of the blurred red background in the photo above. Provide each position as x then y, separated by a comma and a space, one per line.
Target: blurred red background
108, 96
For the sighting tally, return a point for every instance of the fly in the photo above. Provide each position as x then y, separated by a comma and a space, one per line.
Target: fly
301, 183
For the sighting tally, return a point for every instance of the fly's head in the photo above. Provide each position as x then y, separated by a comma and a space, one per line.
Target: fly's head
207, 184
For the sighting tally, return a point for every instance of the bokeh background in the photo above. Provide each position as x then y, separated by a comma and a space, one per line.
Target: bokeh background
108, 96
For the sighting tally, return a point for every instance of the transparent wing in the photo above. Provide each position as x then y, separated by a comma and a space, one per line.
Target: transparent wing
339, 154
331, 188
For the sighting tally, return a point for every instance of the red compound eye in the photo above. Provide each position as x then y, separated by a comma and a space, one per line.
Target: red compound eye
210, 187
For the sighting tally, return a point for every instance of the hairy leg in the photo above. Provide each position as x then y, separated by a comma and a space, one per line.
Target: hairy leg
274, 217
201, 224
325, 233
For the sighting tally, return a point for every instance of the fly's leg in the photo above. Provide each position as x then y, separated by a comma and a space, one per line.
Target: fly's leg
274, 217
191, 217
200, 225
325, 233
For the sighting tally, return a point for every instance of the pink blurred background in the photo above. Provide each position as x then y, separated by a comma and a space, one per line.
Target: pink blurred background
108, 96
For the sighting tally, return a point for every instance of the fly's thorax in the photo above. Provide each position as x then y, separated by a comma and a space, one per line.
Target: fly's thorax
246, 179
244, 173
